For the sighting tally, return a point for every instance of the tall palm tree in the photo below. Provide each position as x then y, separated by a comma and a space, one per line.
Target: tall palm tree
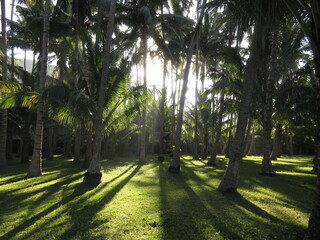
93, 175
229, 182
4, 114
175, 163
35, 168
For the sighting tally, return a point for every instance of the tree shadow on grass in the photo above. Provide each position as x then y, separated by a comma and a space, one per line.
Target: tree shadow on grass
82, 218
79, 191
186, 217
229, 216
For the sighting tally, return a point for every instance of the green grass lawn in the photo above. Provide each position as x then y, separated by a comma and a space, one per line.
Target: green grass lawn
146, 202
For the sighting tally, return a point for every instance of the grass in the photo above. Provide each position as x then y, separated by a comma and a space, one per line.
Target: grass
146, 202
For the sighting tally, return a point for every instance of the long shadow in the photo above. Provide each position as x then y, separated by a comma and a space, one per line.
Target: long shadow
240, 201
87, 213
79, 190
197, 212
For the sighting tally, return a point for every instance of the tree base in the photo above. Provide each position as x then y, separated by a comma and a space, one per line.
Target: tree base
93, 179
160, 158
173, 169
228, 190
195, 158
211, 164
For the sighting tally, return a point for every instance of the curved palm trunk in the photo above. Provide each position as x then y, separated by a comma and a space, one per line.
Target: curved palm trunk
229, 182
212, 160
175, 163
93, 175
266, 167
142, 153
4, 114
35, 168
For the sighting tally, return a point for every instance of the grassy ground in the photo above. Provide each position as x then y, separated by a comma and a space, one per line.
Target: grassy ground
147, 202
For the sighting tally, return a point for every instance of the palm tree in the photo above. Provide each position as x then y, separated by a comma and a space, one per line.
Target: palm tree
229, 182
175, 163
93, 175
4, 117
35, 168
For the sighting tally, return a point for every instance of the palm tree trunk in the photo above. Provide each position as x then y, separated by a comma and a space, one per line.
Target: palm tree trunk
163, 98
247, 139
142, 153
276, 150
195, 146
4, 114
35, 168
266, 167
229, 181
212, 160
93, 175
175, 163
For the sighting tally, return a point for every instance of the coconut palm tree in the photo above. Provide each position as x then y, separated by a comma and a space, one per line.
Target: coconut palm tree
35, 168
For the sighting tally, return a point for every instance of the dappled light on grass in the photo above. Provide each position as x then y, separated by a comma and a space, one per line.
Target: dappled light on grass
146, 202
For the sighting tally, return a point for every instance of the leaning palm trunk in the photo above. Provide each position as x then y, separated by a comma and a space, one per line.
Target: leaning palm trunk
266, 167
175, 163
93, 175
35, 168
229, 182
4, 114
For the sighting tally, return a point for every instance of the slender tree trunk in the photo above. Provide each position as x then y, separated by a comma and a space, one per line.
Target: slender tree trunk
93, 175
173, 116
247, 139
212, 160
142, 154
195, 144
229, 181
35, 168
276, 150
175, 163
266, 167
163, 99
4, 114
